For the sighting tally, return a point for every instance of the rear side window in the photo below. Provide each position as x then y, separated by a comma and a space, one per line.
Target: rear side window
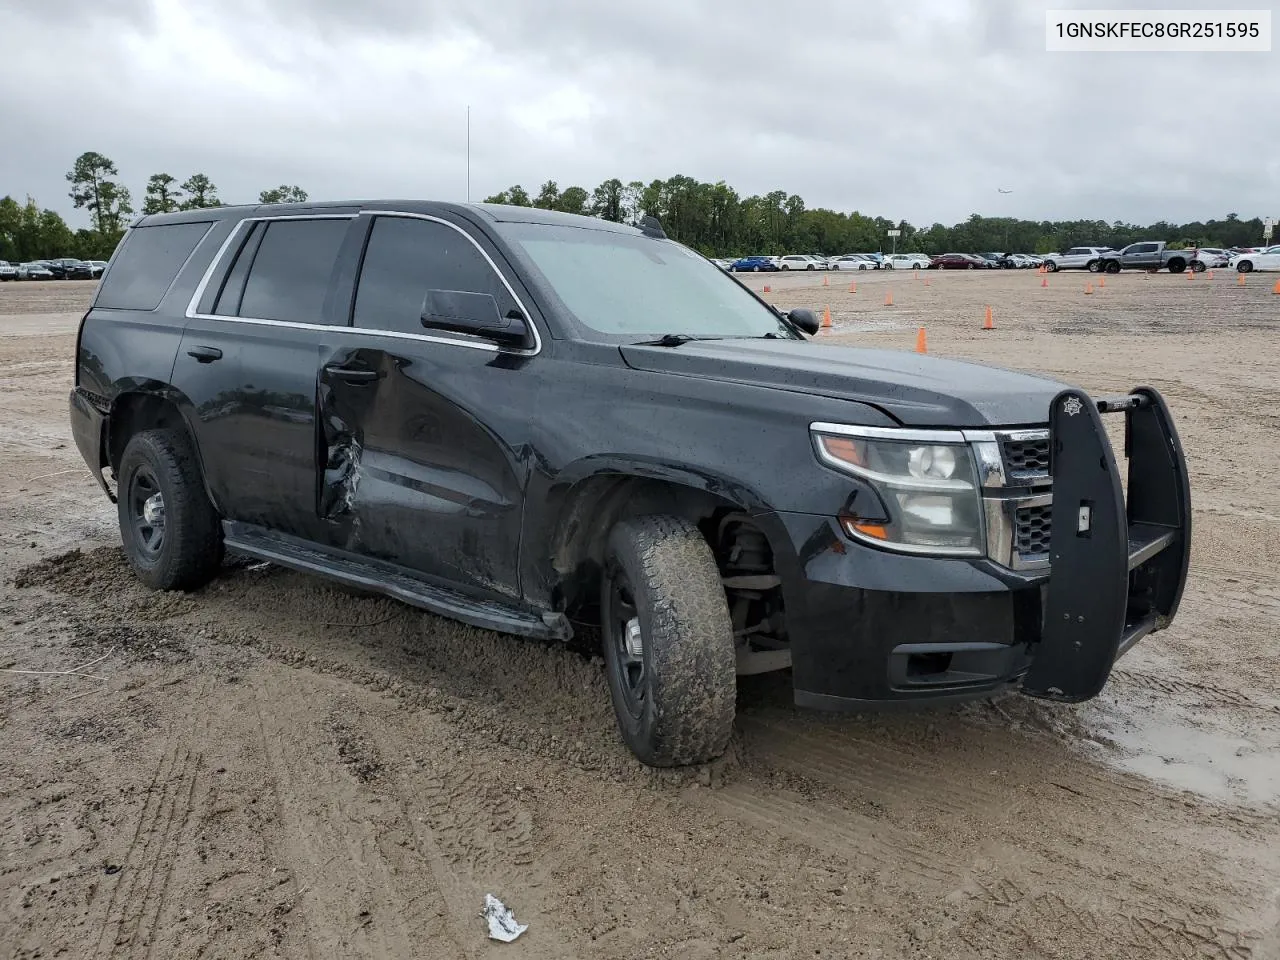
289, 271
405, 258
147, 264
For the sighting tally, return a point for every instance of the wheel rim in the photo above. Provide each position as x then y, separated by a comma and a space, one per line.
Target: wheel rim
626, 639
146, 509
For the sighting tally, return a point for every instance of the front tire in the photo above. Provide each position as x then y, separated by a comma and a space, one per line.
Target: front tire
1113, 266
1244, 266
171, 533
668, 642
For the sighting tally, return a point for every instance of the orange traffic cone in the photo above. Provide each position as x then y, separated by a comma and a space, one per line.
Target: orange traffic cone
1277, 287
1044, 281
1209, 275
1191, 274
917, 273
853, 286
888, 299
826, 316
922, 345
987, 323
768, 289
826, 281
928, 282
1239, 279
1102, 282
1088, 288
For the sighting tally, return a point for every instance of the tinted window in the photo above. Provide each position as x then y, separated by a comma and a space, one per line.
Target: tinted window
290, 272
147, 264
228, 300
407, 257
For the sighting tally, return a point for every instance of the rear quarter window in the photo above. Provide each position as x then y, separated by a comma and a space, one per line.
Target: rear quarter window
147, 264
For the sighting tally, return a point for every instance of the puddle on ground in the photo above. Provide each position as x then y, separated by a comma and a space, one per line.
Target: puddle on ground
1160, 742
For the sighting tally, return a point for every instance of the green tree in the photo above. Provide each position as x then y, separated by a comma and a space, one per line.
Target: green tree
162, 194
548, 194
200, 193
606, 201
573, 200
92, 187
285, 193
515, 195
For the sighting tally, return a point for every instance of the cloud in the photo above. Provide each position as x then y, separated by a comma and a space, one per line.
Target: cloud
918, 110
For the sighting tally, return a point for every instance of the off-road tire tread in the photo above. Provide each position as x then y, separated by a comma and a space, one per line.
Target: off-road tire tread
693, 664
193, 547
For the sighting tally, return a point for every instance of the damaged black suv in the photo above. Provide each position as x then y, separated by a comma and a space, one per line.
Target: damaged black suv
527, 420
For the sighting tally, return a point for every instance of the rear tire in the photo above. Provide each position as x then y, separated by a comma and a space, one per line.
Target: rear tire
1176, 265
674, 697
171, 533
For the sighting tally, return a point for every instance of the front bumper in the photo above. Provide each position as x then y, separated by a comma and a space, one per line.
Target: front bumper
871, 627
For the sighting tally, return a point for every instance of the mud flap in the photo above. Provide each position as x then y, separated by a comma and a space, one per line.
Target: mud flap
1118, 569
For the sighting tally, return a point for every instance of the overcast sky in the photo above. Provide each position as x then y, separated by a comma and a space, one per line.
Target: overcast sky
919, 110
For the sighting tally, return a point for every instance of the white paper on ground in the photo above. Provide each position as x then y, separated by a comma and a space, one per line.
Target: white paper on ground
502, 922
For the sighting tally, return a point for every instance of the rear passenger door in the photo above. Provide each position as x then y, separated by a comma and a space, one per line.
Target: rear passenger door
423, 432
248, 362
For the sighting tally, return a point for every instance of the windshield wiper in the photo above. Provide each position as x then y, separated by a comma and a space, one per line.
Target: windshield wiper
671, 340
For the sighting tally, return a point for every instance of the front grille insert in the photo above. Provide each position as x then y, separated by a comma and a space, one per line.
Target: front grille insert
1032, 529
1025, 459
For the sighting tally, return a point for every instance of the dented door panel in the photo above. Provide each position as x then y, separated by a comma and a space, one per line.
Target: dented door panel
410, 473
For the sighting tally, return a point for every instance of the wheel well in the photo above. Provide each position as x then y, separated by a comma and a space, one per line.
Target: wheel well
742, 550
134, 412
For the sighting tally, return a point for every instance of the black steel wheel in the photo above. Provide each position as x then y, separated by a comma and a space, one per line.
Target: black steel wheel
171, 533
668, 642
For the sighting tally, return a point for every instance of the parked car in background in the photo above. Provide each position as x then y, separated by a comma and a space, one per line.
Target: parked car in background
854, 261
906, 261
1076, 258
722, 263
69, 268
1209, 258
753, 264
8, 271
1146, 255
34, 271
801, 261
959, 261
97, 266
1268, 258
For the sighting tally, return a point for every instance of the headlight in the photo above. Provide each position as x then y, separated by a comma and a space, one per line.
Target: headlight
926, 480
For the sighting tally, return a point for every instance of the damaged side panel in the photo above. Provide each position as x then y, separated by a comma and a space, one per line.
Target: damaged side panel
409, 474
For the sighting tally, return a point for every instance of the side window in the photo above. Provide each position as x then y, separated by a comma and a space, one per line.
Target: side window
286, 273
228, 300
147, 264
405, 258
1145, 248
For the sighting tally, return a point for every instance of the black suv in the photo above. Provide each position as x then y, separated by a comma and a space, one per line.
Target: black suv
528, 421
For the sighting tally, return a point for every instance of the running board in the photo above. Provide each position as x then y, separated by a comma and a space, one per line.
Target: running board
387, 579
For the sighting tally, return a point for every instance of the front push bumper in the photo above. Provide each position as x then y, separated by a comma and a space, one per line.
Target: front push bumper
872, 628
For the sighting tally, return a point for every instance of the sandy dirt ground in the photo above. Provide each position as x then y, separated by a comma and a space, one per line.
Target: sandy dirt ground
273, 767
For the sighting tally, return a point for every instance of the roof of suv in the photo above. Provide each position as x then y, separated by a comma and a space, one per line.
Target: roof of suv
493, 212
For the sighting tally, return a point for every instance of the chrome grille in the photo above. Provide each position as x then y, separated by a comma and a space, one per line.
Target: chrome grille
1025, 458
1031, 531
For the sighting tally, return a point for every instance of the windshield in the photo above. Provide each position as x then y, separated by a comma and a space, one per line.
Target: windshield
630, 287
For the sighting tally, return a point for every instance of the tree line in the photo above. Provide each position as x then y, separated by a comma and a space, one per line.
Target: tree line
713, 218
717, 221
28, 232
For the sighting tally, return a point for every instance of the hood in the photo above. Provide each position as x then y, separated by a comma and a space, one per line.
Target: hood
915, 389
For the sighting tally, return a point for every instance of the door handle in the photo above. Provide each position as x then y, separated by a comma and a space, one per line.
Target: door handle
351, 374
205, 354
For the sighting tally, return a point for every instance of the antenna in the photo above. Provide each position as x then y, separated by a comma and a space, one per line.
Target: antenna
468, 153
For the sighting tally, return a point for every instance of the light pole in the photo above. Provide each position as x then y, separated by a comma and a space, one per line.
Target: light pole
1006, 221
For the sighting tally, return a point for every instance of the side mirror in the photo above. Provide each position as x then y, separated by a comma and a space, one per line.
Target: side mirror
805, 319
460, 311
